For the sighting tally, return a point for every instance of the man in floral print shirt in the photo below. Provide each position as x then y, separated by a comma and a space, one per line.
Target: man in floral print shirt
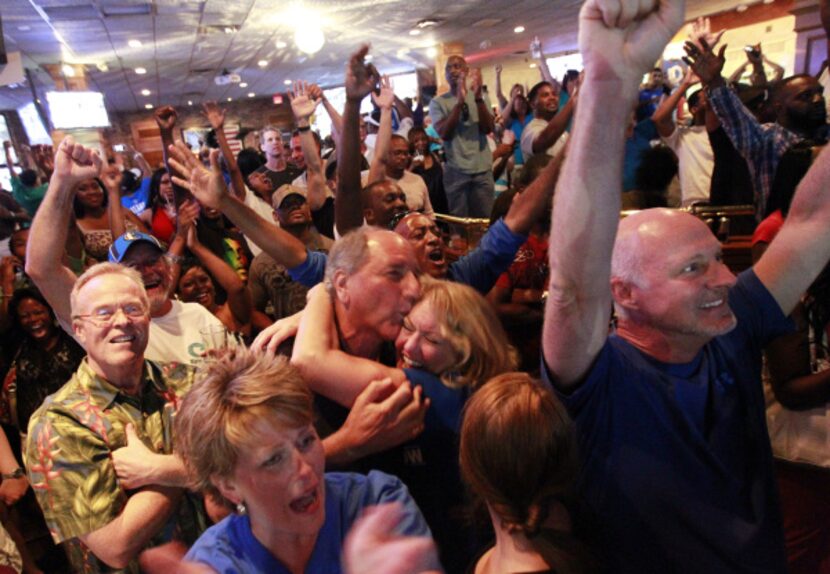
99, 451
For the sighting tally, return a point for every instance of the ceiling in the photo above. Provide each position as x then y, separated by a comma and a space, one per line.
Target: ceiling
184, 44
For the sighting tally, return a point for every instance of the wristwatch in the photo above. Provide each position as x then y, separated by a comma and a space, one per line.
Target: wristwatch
16, 473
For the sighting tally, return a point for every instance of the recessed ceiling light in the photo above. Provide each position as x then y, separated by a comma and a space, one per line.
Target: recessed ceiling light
533, 65
141, 71
426, 23
519, 29
134, 43
262, 63
415, 32
251, 94
148, 106
230, 99
432, 52
243, 84
189, 102
68, 71
280, 44
287, 82
24, 28
145, 92
369, 58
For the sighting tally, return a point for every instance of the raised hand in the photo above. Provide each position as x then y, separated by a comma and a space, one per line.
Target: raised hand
302, 103
755, 56
475, 82
111, 177
498, 69
704, 62
702, 30
166, 117
186, 217
690, 78
621, 39
206, 185
386, 98
461, 87
361, 78
214, 114
75, 163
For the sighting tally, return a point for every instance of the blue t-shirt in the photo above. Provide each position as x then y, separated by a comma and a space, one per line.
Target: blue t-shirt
677, 466
479, 269
517, 128
138, 200
230, 547
639, 142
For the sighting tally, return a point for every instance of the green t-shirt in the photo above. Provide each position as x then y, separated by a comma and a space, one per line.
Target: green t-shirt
28, 197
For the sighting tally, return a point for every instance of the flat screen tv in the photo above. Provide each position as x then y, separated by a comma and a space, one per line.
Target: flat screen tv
34, 127
77, 110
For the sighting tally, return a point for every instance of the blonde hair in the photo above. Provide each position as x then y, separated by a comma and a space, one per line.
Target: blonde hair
232, 396
470, 325
106, 268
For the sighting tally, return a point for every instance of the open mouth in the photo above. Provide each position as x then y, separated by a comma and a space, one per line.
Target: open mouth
307, 504
409, 363
713, 304
123, 339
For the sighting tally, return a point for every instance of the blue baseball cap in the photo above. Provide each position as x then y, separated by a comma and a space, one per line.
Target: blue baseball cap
120, 246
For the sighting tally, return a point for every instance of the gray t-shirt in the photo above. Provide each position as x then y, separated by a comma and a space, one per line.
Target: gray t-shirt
467, 150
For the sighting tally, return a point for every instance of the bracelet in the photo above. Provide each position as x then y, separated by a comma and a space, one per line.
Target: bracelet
173, 258
304, 128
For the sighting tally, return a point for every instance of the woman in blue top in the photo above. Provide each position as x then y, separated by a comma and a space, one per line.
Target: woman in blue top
244, 432
450, 343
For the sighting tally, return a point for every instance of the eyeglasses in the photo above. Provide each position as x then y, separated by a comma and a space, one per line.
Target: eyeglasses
104, 316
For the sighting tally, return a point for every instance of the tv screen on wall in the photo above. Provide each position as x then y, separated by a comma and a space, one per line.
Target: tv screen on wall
77, 110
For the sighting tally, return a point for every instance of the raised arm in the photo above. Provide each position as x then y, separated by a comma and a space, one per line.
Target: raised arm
304, 101
556, 126
528, 207
239, 297
802, 247
486, 122
111, 178
361, 79
336, 120
619, 41
445, 125
328, 370
166, 118
209, 188
216, 116
499, 92
662, 116
384, 100
48, 236
7, 150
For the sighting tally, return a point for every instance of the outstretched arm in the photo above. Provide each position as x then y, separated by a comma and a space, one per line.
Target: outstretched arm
619, 41
802, 247
304, 101
361, 79
662, 116
48, 236
216, 116
209, 188
528, 206
384, 101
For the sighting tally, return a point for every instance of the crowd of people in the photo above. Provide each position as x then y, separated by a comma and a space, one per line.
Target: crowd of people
284, 359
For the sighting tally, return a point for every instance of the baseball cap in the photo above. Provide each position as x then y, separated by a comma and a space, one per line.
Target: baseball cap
120, 246
284, 191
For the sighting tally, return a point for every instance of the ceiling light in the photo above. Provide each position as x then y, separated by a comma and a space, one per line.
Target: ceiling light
415, 32
229, 29
189, 102
24, 28
533, 65
148, 106
519, 29
141, 71
368, 58
243, 84
145, 92
262, 63
102, 67
134, 43
432, 52
230, 99
741, 8
280, 44
68, 71
251, 94
426, 23
309, 38
287, 82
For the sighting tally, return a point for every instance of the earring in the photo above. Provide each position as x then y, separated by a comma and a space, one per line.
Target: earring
241, 509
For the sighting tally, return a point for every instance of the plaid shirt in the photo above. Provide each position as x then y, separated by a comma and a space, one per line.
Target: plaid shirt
761, 145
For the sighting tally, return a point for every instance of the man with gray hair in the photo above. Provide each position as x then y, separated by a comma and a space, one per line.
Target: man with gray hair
99, 451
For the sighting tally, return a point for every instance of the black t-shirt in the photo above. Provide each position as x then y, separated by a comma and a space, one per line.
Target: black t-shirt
279, 178
731, 182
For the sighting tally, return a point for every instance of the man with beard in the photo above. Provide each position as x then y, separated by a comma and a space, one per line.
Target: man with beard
174, 326
546, 132
800, 114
